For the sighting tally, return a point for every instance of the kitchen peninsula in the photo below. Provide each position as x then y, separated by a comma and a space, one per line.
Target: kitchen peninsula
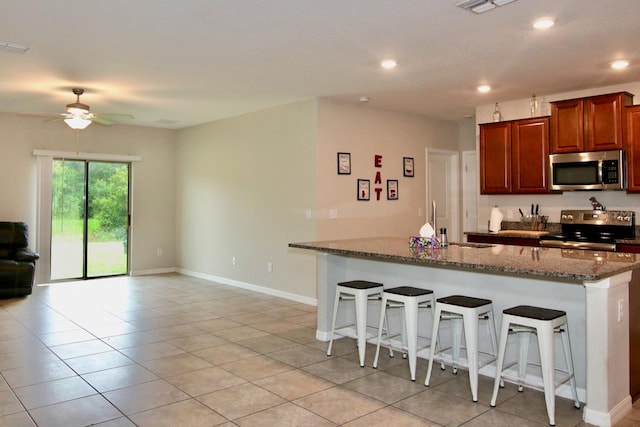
593, 292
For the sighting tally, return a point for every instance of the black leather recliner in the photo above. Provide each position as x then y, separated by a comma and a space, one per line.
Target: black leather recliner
17, 261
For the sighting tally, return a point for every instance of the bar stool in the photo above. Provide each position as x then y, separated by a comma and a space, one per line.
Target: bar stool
410, 299
525, 320
359, 291
464, 311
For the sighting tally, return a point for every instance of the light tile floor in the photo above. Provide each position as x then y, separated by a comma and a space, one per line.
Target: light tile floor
172, 350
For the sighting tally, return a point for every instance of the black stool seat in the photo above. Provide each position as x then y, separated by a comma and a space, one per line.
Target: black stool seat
408, 291
537, 313
360, 284
463, 301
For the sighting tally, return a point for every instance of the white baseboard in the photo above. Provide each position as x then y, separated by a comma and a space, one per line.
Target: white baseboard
608, 419
249, 286
153, 271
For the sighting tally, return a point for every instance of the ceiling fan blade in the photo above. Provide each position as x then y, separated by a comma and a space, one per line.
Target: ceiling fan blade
51, 115
112, 116
54, 119
101, 120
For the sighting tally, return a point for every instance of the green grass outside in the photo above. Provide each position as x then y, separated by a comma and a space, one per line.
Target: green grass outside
107, 253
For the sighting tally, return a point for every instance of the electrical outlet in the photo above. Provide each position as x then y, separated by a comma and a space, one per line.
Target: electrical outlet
269, 267
233, 261
159, 252
620, 310
333, 213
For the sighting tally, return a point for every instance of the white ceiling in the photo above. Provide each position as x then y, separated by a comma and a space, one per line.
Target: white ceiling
195, 61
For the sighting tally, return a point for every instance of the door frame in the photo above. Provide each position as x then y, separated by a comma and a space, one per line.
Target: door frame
44, 194
469, 185
454, 196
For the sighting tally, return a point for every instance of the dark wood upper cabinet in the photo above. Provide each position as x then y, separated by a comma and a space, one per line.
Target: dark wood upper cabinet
530, 155
596, 123
514, 157
495, 158
632, 148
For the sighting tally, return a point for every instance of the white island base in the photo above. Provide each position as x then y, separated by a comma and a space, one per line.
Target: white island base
596, 311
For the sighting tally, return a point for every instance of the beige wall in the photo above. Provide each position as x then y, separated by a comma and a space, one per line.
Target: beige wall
248, 186
552, 204
364, 132
244, 186
153, 181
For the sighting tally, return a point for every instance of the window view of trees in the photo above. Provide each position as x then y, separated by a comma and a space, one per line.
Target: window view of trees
106, 207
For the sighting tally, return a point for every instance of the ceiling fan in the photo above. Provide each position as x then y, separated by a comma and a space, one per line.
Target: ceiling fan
78, 115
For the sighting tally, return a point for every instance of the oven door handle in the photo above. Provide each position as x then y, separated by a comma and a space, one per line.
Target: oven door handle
589, 246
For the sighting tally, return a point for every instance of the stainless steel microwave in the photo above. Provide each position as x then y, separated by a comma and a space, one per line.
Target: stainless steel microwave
597, 170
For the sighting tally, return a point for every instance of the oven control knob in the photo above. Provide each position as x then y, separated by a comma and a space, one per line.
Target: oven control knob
620, 218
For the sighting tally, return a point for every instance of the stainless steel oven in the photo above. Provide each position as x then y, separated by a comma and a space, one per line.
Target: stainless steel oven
592, 229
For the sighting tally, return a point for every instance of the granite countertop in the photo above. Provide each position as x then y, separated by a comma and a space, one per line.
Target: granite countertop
554, 264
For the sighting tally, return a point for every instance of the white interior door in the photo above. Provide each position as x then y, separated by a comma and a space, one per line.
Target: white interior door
442, 188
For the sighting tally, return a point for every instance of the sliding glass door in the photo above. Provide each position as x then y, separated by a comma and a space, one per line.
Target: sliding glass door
90, 219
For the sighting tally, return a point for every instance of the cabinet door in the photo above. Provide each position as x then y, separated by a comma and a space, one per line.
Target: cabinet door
495, 158
632, 148
567, 126
530, 155
605, 123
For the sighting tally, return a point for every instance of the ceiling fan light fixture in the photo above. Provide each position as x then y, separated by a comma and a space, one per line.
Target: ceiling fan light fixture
77, 122
76, 110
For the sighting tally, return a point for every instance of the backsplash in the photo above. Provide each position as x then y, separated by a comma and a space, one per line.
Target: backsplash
551, 227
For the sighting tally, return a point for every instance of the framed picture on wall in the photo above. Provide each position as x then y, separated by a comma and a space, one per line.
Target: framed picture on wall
363, 189
392, 189
344, 163
408, 166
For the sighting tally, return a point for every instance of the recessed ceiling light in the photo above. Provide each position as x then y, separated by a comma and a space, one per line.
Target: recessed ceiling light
620, 64
363, 99
544, 23
388, 64
484, 88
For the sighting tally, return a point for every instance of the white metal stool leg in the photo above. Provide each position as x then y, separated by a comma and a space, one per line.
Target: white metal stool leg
524, 338
546, 346
491, 325
568, 360
457, 325
361, 324
434, 341
411, 325
333, 324
471, 337
502, 347
381, 323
